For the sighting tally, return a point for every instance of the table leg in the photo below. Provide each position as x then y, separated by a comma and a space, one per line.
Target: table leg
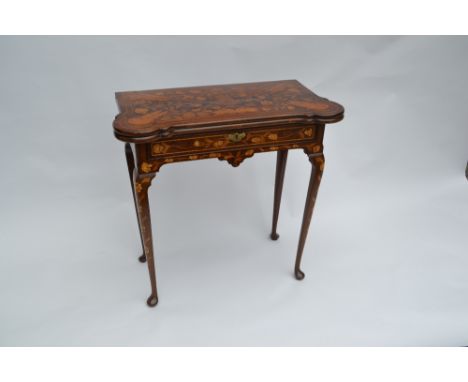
141, 186
318, 162
131, 167
281, 158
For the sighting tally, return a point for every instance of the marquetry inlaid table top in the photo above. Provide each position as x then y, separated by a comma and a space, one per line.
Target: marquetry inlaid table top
153, 113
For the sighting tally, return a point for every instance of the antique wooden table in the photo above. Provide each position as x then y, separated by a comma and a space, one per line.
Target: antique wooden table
228, 122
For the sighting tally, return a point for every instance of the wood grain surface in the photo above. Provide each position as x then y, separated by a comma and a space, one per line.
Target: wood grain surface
165, 112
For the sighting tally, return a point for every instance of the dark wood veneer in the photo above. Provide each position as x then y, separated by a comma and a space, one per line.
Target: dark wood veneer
227, 122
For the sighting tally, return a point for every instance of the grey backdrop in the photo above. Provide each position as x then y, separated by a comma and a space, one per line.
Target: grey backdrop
386, 260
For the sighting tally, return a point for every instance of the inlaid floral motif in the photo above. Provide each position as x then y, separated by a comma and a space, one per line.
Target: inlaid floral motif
320, 162
143, 182
192, 145
219, 143
158, 148
146, 112
145, 167
221, 147
235, 157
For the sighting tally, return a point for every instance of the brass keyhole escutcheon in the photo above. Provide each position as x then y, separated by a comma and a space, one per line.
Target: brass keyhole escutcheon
236, 137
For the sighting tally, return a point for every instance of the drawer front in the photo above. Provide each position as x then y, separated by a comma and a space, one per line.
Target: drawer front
232, 140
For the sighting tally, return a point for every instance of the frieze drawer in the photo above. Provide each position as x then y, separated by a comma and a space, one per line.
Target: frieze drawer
234, 139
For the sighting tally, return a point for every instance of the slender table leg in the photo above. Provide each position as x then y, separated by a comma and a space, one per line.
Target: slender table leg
141, 185
318, 162
281, 158
131, 167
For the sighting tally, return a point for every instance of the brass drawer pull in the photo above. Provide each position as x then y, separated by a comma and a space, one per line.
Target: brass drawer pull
236, 137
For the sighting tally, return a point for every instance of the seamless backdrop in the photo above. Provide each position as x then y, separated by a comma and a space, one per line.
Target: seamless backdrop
386, 257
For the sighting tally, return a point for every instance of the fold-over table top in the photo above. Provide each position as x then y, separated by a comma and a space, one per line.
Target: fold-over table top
155, 113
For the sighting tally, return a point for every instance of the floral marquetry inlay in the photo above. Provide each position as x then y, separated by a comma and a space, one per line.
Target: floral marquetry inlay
236, 156
308, 132
231, 140
167, 112
320, 162
142, 183
145, 167
227, 122
158, 148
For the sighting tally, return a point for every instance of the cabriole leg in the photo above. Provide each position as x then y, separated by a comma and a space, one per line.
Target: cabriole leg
281, 158
318, 162
131, 167
141, 186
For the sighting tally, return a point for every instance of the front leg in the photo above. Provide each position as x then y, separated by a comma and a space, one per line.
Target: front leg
131, 168
141, 185
318, 161
281, 158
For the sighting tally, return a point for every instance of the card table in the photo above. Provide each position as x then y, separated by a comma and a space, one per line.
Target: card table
227, 122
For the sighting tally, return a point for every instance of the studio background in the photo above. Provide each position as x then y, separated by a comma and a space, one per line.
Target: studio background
385, 259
